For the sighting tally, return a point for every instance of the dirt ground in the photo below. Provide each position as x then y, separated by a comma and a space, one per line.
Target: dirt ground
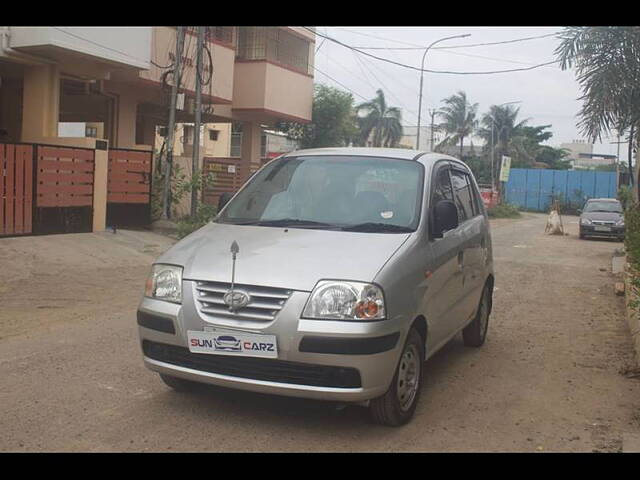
551, 376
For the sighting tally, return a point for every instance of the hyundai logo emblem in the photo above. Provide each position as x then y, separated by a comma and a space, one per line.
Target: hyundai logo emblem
236, 299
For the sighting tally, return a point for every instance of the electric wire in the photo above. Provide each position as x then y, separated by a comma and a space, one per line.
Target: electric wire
433, 71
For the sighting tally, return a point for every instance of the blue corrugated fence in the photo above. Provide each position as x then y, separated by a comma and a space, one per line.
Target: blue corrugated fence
532, 189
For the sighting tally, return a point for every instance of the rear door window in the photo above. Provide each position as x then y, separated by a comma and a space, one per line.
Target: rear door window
463, 195
442, 187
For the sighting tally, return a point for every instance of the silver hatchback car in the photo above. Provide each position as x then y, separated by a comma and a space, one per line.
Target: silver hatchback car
332, 274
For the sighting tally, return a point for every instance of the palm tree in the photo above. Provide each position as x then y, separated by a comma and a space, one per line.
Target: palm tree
377, 118
607, 64
501, 129
459, 119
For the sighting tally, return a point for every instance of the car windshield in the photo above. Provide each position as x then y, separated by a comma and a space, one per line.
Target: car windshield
351, 193
614, 207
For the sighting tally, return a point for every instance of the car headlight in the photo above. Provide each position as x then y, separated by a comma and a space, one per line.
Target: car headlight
343, 300
620, 223
585, 221
165, 283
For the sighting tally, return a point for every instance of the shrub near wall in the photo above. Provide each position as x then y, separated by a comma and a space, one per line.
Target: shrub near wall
632, 277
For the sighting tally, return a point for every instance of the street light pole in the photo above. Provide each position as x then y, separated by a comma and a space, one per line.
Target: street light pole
422, 80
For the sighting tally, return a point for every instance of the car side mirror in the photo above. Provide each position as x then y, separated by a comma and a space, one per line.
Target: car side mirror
579, 210
224, 199
445, 218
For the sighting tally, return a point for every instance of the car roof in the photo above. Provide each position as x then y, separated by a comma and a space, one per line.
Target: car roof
390, 153
603, 200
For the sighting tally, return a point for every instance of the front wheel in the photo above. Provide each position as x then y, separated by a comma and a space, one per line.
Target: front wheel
475, 333
397, 406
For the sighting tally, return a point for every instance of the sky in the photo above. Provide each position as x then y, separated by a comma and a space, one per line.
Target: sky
548, 95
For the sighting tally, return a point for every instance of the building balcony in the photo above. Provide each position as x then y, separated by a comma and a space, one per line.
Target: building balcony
273, 75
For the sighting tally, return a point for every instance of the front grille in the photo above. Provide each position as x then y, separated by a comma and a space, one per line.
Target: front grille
265, 369
265, 302
603, 222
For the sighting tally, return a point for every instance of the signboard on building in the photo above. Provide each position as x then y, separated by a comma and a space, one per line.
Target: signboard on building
505, 168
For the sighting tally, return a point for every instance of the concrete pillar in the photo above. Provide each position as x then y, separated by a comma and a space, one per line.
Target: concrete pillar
126, 121
41, 102
100, 190
251, 136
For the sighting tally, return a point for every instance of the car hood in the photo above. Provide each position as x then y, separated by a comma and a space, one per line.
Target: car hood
603, 216
293, 258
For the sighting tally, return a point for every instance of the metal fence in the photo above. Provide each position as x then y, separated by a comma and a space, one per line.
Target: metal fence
534, 189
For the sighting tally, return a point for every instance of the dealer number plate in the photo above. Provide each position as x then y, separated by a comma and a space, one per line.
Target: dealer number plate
602, 229
233, 343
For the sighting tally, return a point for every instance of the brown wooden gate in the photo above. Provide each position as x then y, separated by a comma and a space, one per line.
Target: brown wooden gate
227, 177
129, 187
65, 176
16, 189
64, 189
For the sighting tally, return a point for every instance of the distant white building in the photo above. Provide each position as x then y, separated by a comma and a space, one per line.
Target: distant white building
581, 155
409, 137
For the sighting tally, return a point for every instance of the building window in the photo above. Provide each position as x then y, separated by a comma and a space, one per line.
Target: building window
263, 145
187, 134
236, 140
91, 132
213, 135
274, 44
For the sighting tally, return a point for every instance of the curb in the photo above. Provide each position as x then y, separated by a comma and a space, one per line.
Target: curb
633, 318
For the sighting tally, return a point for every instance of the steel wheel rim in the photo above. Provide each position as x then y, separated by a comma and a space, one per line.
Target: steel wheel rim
408, 377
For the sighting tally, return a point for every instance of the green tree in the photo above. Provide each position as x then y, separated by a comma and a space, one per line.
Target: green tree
607, 65
500, 128
376, 118
332, 121
458, 120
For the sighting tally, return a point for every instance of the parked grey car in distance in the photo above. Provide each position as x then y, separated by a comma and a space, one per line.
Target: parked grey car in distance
602, 217
340, 271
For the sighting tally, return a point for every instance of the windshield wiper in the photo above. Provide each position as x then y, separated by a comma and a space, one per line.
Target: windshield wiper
377, 227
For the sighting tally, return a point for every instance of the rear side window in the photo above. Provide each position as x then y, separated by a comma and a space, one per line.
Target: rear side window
463, 195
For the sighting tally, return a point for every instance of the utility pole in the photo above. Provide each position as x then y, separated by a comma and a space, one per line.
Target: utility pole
172, 123
433, 114
198, 120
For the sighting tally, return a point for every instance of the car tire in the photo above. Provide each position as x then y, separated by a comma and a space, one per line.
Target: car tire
178, 384
397, 406
475, 333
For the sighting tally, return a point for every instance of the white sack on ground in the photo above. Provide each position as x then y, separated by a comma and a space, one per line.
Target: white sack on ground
554, 226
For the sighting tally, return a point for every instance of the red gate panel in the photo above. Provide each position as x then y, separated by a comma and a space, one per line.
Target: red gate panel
16, 189
65, 177
129, 176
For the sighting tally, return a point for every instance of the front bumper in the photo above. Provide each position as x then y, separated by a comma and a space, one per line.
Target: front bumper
318, 359
591, 231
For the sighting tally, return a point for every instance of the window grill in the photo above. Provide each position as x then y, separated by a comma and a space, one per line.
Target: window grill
274, 44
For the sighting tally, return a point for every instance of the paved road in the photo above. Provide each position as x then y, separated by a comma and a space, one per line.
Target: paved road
548, 379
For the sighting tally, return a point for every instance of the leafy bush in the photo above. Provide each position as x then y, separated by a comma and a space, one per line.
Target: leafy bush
632, 246
632, 234
189, 224
625, 195
504, 210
